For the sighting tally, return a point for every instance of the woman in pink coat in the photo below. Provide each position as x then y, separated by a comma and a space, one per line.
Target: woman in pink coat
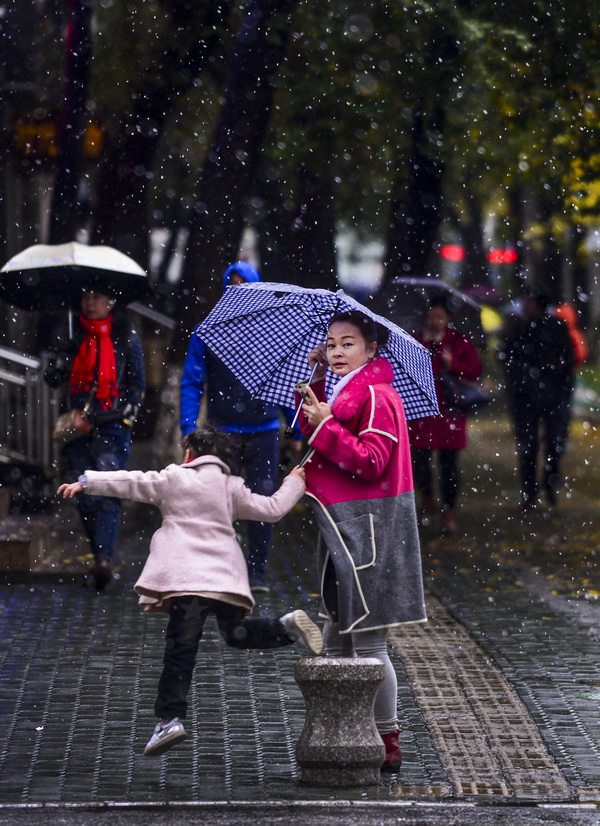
447, 433
196, 566
360, 480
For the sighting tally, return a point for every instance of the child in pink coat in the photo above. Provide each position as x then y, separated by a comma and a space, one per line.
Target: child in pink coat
196, 566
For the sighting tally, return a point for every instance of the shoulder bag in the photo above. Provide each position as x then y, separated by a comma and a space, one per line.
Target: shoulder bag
464, 396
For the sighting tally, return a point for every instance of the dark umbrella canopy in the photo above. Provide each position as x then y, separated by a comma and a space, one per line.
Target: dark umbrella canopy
55, 276
406, 302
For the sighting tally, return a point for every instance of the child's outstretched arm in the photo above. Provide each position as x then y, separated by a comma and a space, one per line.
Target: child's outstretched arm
248, 505
136, 485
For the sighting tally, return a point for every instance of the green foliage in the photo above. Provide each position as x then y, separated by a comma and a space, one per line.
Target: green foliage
509, 92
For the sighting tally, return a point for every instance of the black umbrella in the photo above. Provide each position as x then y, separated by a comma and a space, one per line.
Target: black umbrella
406, 301
49, 277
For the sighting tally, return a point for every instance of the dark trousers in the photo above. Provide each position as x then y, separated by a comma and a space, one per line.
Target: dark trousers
187, 616
528, 419
449, 475
257, 461
100, 515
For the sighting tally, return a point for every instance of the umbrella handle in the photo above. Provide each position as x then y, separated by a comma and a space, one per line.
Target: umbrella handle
289, 430
306, 457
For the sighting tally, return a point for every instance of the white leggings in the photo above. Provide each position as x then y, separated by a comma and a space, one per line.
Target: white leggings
370, 644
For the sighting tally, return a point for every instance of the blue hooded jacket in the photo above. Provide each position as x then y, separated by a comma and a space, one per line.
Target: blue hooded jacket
230, 406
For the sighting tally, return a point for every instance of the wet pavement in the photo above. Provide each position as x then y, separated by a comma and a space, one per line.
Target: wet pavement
498, 694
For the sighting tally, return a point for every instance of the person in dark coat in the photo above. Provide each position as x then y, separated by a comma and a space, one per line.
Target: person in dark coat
538, 361
447, 434
103, 364
255, 425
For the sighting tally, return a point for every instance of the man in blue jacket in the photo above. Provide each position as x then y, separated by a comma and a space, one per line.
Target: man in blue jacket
254, 423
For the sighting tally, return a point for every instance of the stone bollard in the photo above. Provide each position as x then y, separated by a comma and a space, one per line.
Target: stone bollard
339, 744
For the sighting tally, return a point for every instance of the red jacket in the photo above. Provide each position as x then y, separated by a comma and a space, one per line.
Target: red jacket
362, 450
360, 481
449, 430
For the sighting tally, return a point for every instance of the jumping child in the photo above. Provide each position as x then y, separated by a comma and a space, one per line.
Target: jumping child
196, 566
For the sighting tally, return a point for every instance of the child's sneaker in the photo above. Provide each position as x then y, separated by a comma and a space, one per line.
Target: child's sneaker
301, 628
166, 734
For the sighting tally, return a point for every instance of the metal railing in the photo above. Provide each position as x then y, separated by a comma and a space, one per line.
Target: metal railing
28, 410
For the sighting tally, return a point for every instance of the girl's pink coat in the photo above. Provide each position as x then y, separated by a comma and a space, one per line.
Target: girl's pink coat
195, 549
362, 450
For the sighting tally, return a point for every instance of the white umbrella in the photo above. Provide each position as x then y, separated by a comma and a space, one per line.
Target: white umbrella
47, 276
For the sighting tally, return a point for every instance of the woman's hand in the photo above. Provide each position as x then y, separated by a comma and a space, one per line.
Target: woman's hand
314, 410
69, 491
298, 472
318, 355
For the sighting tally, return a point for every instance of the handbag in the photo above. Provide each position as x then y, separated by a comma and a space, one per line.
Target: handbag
464, 396
72, 425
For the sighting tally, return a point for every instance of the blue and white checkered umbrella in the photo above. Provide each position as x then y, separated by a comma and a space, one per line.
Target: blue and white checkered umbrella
262, 333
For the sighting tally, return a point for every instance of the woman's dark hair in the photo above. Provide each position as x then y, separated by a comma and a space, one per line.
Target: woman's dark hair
208, 441
443, 302
370, 331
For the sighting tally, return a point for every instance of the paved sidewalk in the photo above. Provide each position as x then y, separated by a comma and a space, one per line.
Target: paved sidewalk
498, 693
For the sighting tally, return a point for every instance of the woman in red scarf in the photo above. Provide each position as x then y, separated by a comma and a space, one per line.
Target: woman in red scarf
103, 365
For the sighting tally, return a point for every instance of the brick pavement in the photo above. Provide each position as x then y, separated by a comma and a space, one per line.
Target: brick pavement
498, 693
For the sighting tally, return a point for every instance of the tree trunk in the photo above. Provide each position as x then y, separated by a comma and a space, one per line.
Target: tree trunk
516, 224
296, 235
548, 263
580, 281
475, 268
274, 230
313, 230
121, 218
72, 123
228, 173
416, 209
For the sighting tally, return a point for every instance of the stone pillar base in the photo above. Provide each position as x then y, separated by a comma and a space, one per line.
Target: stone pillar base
341, 778
339, 745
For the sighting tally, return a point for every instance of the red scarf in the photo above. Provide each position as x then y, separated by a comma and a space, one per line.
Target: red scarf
96, 354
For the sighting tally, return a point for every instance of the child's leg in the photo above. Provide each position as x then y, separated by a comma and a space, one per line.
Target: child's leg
187, 616
238, 632
264, 632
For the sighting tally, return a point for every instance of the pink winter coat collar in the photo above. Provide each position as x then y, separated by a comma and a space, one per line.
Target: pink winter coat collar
207, 460
361, 450
378, 371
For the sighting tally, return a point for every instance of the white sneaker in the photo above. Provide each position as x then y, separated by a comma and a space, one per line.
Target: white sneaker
300, 626
165, 735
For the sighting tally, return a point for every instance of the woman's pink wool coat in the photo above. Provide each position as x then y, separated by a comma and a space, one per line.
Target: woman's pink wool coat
195, 549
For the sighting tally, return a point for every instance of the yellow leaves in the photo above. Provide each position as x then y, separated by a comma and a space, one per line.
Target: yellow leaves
582, 183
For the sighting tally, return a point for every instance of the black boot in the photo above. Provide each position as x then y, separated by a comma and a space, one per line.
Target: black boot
102, 572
